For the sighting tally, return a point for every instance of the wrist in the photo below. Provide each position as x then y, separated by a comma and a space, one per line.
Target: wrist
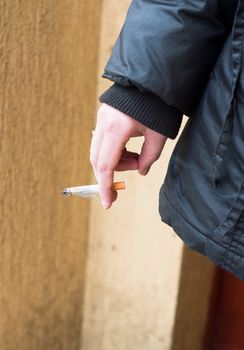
145, 107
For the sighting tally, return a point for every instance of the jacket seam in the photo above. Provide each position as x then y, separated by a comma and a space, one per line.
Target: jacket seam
227, 251
203, 234
233, 246
226, 247
113, 75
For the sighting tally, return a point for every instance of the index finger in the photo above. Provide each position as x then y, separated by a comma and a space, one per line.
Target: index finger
109, 156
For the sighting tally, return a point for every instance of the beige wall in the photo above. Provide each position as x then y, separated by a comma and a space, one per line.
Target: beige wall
47, 72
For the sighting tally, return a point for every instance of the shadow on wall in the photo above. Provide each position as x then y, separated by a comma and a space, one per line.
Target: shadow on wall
197, 274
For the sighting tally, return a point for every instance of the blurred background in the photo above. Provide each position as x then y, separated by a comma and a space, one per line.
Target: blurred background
73, 276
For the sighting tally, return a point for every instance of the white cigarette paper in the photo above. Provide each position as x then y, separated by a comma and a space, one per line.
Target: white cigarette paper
81, 191
90, 190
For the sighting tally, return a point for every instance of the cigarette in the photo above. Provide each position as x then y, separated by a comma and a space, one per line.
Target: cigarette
87, 191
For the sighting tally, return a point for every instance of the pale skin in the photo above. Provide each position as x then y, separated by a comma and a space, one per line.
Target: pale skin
108, 151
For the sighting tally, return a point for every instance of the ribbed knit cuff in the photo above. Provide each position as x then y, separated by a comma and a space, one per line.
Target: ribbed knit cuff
145, 107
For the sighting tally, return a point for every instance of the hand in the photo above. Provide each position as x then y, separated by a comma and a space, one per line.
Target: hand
108, 152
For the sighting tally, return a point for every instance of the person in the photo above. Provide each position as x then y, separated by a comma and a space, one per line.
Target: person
173, 58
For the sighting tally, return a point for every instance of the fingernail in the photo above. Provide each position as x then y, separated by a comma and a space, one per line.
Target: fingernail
105, 205
143, 172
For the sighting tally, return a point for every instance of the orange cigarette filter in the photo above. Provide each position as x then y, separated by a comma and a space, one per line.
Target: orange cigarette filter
118, 186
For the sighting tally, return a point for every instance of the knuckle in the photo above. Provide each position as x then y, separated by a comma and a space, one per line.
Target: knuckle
107, 190
112, 127
128, 127
102, 167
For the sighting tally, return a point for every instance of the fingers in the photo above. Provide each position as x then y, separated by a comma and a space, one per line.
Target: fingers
150, 152
109, 149
127, 164
127, 154
128, 161
105, 182
108, 153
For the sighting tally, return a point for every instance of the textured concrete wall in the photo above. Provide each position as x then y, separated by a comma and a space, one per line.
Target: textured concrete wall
134, 261
47, 83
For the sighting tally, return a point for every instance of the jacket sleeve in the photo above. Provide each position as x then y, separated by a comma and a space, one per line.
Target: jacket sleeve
162, 60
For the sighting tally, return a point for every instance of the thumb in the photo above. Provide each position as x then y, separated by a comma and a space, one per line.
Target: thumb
150, 152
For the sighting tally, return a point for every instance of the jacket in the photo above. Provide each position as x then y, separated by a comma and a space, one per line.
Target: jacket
186, 57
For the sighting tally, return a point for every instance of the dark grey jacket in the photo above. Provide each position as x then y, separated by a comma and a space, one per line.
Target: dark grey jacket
177, 57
